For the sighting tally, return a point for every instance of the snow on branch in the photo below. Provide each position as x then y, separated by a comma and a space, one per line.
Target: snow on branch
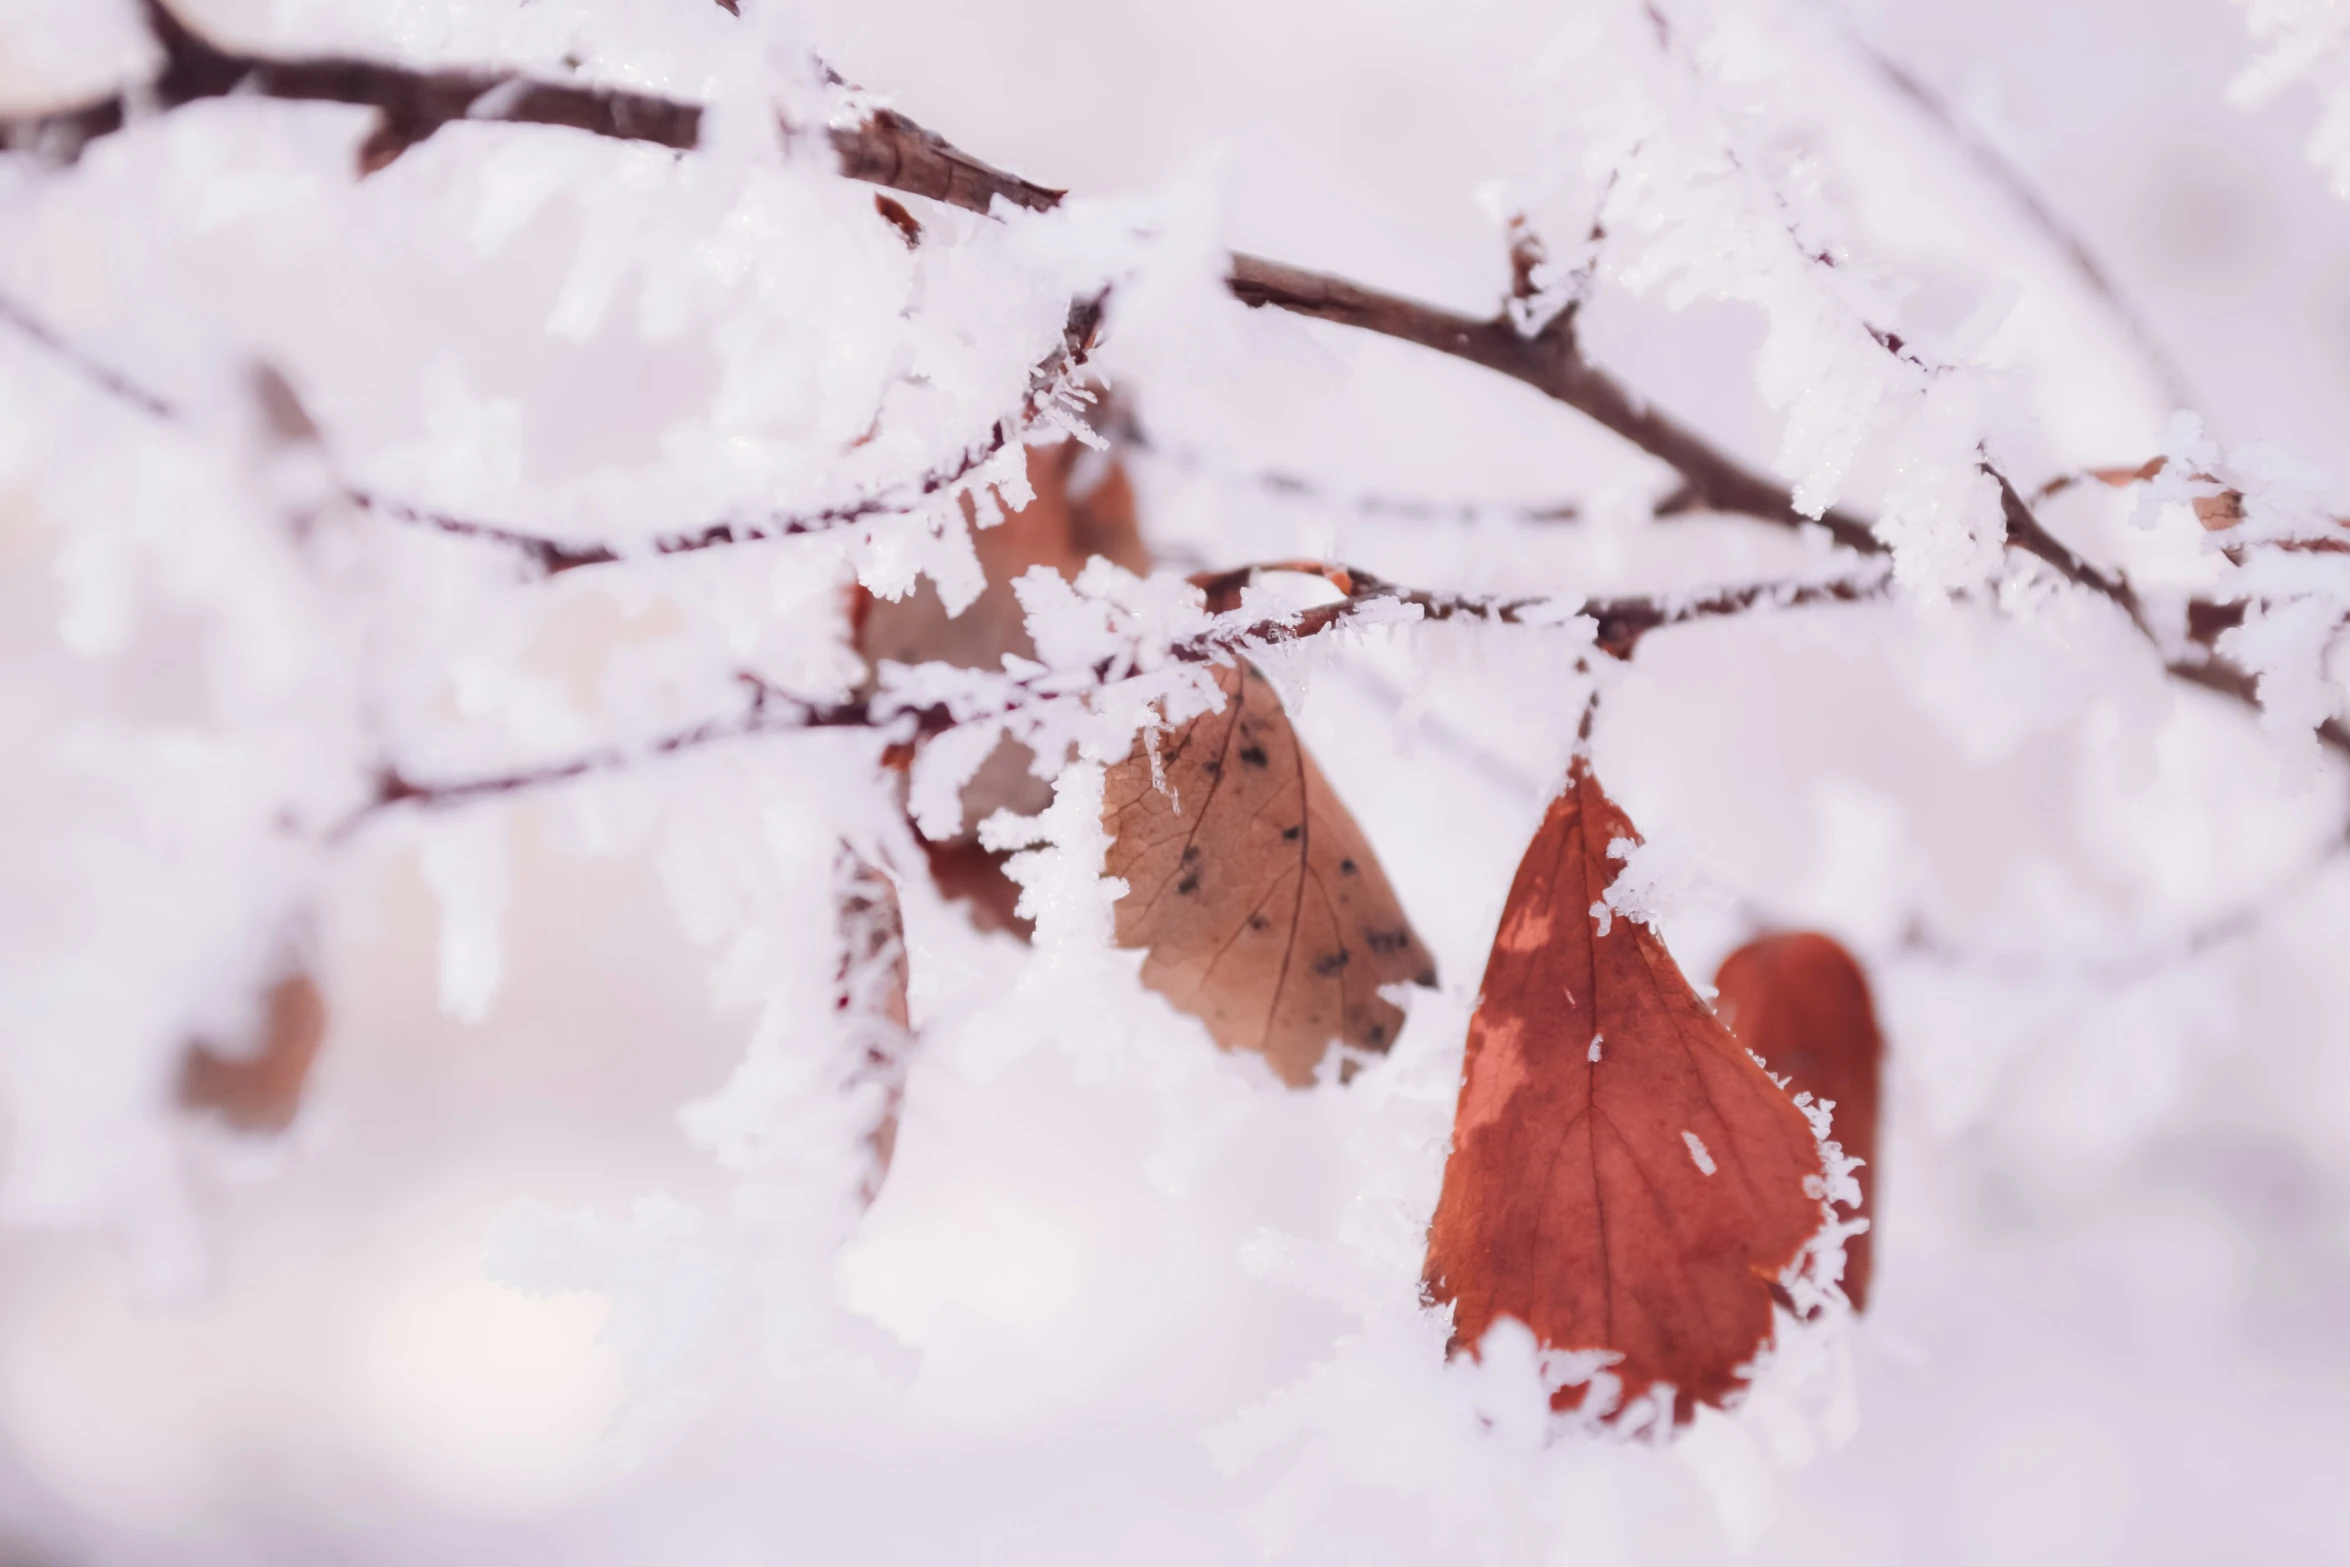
1051, 384
885, 148
926, 700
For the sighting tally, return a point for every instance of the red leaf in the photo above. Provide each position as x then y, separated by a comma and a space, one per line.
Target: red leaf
1801, 1003
1624, 1177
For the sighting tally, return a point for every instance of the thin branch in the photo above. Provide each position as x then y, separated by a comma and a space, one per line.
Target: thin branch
2025, 532
2019, 190
1048, 383
411, 105
1550, 362
104, 377
1119, 425
1621, 621
768, 712
888, 149
772, 711
552, 557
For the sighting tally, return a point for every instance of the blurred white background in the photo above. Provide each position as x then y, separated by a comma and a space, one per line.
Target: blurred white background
2114, 1257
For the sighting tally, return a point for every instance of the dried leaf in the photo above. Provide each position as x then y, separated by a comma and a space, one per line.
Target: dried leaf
872, 996
1083, 507
1801, 1003
1624, 1177
1263, 909
973, 875
260, 1091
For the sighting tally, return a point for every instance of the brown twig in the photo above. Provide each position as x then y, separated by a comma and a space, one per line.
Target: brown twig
1550, 362
412, 105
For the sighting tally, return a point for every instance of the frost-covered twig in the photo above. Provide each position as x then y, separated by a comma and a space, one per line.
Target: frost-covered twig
885, 148
768, 712
1621, 622
1367, 601
1551, 363
1049, 383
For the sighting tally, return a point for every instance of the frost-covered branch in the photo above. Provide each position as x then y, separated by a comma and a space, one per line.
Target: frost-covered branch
885, 148
1118, 423
769, 711
1551, 363
1050, 383
908, 707
1619, 623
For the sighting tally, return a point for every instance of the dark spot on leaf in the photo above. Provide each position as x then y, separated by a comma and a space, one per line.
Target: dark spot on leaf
1346, 867
1190, 852
1259, 922
1188, 884
1289, 834
1214, 769
1427, 978
1333, 963
1253, 755
1377, 1034
1384, 942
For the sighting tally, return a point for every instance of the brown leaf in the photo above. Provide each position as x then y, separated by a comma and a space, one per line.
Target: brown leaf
973, 875
1083, 507
2218, 513
260, 1092
872, 996
1265, 913
1624, 1177
1801, 1003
